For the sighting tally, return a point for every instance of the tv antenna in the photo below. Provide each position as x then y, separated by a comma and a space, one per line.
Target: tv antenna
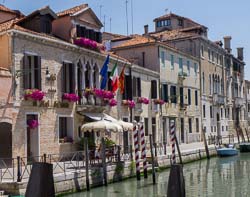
166, 10
3, 1
101, 6
132, 17
127, 14
110, 19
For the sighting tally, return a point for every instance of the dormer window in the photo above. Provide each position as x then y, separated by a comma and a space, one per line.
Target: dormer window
180, 22
88, 33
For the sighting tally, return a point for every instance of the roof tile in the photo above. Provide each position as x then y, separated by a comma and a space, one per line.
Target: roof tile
72, 10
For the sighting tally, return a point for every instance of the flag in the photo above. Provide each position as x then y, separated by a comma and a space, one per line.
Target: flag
104, 73
115, 78
121, 80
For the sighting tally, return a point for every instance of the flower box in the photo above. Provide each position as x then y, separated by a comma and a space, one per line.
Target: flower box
34, 95
70, 97
143, 100
112, 102
89, 44
159, 101
129, 103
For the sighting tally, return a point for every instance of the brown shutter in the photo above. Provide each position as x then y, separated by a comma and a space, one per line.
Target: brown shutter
72, 78
38, 71
63, 87
134, 87
139, 87
25, 72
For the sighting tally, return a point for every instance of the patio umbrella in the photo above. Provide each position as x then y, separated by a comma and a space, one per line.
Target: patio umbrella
101, 125
127, 126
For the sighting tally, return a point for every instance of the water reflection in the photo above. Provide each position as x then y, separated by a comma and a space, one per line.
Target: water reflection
217, 177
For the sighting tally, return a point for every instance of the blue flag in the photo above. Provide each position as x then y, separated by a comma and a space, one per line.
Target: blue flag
104, 73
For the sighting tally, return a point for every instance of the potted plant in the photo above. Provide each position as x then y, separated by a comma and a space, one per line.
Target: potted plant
70, 97
34, 95
129, 103
143, 100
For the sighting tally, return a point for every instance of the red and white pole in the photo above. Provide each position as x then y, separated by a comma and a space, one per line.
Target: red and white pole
143, 152
137, 159
172, 133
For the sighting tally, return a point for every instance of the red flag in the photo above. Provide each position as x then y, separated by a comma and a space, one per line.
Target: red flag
122, 80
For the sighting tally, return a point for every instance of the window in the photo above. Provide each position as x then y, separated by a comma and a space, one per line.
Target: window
66, 128
46, 26
188, 67
202, 51
222, 128
173, 94
146, 126
226, 128
211, 111
32, 72
154, 89
158, 24
180, 22
195, 69
154, 129
181, 96
180, 66
143, 59
68, 78
221, 111
203, 82
204, 111
165, 92
172, 62
217, 58
209, 54
211, 129
136, 86
212, 56
197, 125
210, 85
189, 96
167, 22
205, 129
190, 125
163, 59
196, 97
128, 87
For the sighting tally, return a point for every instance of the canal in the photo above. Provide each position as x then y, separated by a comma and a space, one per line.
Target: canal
217, 177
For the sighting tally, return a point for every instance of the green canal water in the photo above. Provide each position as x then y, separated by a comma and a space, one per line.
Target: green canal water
217, 177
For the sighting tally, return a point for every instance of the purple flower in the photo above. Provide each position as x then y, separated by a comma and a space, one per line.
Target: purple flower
112, 103
88, 43
32, 124
143, 100
131, 104
33, 94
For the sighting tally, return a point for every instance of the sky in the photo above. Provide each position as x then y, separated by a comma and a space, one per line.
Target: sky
222, 17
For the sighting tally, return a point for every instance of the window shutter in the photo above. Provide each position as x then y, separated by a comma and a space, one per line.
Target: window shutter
129, 87
139, 87
134, 87
38, 71
189, 97
63, 78
72, 78
181, 96
25, 72
153, 89
78, 31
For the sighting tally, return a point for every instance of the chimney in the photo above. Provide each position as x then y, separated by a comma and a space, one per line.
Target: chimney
145, 29
227, 43
240, 53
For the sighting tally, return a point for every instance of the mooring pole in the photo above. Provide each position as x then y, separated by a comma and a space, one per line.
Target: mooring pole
178, 149
86, 150
104, 162
136, 145
172, 127
152, 157
205, 143
143, 151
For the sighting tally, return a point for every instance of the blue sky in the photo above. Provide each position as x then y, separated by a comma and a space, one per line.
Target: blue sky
222, 17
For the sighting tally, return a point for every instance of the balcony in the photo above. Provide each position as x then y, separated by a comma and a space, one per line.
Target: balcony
218, 99
238, 101
91, 104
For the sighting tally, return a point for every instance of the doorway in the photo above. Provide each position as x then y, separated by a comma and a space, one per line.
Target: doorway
32, 137
5, 143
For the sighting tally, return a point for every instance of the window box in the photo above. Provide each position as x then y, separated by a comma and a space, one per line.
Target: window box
70, 97
34, 95
129, 103
89, 44
143, 100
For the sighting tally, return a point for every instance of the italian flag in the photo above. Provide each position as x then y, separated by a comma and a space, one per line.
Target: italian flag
115, 78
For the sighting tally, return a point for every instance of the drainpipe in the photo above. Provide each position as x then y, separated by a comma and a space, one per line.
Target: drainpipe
131, 110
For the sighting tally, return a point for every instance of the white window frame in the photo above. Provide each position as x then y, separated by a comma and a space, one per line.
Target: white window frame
58, 129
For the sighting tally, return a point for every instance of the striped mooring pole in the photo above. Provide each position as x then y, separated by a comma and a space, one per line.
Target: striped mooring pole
172, 126
143, 152
137, 159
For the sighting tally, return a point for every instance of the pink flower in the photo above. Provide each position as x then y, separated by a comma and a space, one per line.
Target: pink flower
34, 94
143, 100
112, 103
159, 101
32, 124
88, 43
131, 104
70, 97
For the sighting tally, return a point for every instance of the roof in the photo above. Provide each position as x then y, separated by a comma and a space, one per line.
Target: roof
173, 34
5, 9
112, 36
72, 10
136, 40
43, 11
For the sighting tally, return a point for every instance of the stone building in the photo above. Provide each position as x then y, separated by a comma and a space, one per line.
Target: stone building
178, 85
216, 70
34, 58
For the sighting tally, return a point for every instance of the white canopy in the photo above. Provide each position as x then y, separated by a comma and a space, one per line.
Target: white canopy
101, 116
101, 125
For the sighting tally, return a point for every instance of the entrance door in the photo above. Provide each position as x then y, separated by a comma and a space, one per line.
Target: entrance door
5, 144
32, 139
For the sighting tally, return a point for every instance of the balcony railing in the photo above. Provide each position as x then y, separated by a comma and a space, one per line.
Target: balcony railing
218, 99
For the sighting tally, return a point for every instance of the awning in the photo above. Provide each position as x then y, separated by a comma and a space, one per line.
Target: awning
102, 116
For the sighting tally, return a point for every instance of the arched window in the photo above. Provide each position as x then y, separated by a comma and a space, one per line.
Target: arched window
203, 82
96, 77
87, 75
